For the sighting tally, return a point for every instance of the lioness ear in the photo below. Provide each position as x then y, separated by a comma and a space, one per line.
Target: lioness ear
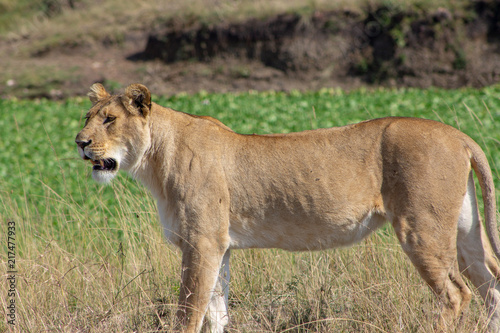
97, 93
139, 97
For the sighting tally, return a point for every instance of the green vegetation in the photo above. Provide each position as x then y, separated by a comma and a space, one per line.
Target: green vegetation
92, 258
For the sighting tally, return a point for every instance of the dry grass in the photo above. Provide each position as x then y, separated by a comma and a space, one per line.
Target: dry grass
74, 277
371, 287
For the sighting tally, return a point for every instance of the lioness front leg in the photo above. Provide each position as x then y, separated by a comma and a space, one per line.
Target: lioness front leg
217, 316
201, 262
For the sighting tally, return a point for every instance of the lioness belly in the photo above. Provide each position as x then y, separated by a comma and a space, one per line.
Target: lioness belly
302, 234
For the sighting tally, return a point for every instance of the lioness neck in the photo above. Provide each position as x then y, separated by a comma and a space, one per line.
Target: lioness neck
177, 139
155, 162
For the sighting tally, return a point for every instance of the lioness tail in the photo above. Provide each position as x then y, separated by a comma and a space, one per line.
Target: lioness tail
483, 172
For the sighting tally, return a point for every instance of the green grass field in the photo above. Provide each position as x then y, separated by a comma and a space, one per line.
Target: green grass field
91, 258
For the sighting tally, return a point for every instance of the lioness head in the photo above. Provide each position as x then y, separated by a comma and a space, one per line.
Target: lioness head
116, 131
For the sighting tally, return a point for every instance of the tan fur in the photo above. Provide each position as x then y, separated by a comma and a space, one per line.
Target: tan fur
218, 190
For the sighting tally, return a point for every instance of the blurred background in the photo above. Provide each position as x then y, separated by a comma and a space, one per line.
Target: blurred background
58, 48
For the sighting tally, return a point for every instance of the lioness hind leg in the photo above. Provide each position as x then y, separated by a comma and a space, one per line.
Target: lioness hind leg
433, 252
476, 259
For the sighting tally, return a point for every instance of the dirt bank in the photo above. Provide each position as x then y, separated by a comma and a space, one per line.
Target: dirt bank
326, 49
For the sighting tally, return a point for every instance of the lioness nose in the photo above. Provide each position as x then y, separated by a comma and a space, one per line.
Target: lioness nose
83, 144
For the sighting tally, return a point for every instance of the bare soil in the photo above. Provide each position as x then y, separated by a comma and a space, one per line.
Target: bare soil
327, 49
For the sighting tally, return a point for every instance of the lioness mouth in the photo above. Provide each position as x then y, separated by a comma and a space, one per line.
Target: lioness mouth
107, 164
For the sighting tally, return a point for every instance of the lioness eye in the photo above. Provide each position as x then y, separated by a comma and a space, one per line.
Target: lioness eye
109, 119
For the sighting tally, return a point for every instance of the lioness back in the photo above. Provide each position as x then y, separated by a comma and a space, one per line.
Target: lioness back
331, 178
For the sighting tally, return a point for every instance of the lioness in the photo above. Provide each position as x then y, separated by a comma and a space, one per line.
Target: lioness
217, 190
